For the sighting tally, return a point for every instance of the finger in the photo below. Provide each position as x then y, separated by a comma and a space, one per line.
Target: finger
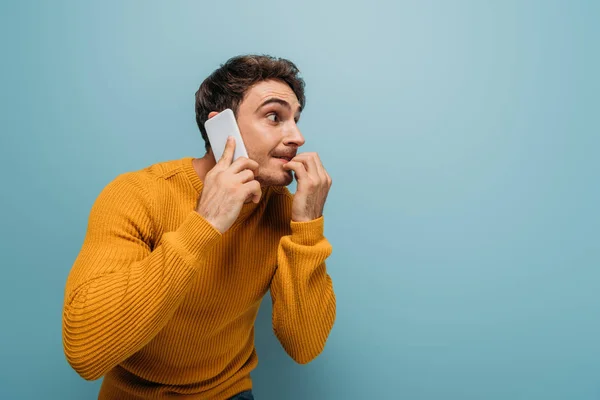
298, 168
322, 172
246, 175
252, 189
243, 163
328, 177
227, 156
311, 163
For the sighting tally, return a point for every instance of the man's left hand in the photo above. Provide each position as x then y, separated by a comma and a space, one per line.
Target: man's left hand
312, 189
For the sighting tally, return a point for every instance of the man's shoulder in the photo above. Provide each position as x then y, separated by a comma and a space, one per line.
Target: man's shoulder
145, 179
157, 171
164, 169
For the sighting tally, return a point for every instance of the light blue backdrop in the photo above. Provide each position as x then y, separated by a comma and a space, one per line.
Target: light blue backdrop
463, 138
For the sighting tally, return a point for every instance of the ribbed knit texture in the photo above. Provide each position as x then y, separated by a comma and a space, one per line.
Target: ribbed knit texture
161, 304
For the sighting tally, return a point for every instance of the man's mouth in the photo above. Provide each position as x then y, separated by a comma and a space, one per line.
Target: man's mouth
284, 158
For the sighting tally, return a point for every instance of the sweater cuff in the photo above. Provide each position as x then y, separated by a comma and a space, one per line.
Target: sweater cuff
197, 236
308, 233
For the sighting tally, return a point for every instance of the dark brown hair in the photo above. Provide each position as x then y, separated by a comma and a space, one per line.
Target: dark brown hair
227, 86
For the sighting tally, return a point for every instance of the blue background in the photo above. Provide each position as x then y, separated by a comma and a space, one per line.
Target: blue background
462, 138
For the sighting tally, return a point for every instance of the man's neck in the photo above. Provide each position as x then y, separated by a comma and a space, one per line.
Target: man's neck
204, 164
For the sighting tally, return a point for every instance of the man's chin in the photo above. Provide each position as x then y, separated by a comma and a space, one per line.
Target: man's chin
287, 181
284, 179
287, 178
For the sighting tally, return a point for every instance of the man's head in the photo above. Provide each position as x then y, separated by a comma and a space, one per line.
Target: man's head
267, 96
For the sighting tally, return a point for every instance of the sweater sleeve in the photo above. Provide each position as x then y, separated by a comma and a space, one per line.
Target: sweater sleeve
304, 304
121, 292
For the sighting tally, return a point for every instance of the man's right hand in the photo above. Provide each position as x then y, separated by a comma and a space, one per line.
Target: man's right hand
227, 187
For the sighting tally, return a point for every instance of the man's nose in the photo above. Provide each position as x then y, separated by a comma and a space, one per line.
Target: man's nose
294, 136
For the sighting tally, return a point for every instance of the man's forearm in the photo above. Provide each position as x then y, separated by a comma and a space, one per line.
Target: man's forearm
304, 303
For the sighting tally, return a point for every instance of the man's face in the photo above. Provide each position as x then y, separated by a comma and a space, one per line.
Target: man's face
267, 118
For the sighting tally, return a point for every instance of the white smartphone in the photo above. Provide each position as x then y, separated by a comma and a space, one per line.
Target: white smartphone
219, 128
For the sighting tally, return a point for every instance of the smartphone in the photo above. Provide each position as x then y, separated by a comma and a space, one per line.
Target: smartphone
219, 128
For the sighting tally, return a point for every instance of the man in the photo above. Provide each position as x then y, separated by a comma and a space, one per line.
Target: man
163, 296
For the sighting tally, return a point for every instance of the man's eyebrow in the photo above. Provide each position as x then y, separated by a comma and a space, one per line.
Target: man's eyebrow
278, 101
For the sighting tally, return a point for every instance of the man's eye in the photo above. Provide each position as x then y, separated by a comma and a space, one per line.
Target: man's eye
273, 117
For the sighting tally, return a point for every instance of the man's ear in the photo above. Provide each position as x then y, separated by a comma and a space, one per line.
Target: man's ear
212, 114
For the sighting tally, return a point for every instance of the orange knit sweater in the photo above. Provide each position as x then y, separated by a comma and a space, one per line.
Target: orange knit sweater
161, 304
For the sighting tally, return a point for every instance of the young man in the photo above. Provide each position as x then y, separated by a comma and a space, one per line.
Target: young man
163, 296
